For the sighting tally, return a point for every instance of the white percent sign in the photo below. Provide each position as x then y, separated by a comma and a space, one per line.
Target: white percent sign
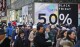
62, 17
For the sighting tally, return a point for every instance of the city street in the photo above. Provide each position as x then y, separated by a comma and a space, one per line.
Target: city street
39, 23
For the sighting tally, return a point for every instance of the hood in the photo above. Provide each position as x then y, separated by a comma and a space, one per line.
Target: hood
9, 24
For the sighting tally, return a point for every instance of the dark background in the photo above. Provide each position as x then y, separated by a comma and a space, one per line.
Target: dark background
73, 14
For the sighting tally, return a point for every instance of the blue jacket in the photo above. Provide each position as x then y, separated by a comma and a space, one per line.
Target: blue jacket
9, 31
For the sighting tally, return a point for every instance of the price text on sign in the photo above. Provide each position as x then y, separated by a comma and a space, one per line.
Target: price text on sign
42, 17
62, 17
65, 19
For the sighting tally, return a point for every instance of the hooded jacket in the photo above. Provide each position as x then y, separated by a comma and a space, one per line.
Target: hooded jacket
9, 30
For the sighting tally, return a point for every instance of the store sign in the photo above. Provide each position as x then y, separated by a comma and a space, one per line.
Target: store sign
56, 13
68, 14
46, 13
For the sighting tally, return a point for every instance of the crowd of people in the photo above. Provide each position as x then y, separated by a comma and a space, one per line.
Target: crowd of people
39, 35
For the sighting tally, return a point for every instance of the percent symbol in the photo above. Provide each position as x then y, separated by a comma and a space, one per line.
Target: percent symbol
65, 19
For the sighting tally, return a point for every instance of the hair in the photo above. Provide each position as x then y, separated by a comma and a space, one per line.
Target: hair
9, 24
20, 31
38, 26
58, 34
62, 33
69, 33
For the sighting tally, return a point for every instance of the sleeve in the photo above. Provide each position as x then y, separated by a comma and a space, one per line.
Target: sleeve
16, 43
7, 32
31, 36
42, 42
62, 42
8, 44
58, 43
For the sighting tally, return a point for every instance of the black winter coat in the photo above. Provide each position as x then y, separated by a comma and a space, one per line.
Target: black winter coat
40, 41
5, 43
19, 42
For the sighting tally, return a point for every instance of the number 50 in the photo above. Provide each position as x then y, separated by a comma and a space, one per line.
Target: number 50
41, 16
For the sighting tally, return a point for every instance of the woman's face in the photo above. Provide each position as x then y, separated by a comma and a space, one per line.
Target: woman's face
72, 35
65, 34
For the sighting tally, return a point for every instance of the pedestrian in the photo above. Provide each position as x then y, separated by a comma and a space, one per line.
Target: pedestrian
39, 39
20, 40
4, 42
70, 39
15, 34
9, 31
23, 27
53, 34
14, 23
47, 33
62, 37
32, 35
27, 31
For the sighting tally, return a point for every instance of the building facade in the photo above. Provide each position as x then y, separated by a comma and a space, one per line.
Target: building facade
15, 9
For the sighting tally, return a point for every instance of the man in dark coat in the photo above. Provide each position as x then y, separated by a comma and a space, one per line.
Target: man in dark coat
39, 40
26, 33
4, 42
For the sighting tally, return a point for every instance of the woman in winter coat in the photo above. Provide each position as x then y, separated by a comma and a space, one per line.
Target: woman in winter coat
70, 39
32, 35
62, 37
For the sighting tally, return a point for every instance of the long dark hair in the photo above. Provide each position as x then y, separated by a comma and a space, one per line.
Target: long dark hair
20, 31
69, 33
62, 33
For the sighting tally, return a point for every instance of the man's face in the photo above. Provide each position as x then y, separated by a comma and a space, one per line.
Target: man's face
41, 30
2, 36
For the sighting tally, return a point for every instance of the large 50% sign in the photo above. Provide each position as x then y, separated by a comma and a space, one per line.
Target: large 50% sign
62, 17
